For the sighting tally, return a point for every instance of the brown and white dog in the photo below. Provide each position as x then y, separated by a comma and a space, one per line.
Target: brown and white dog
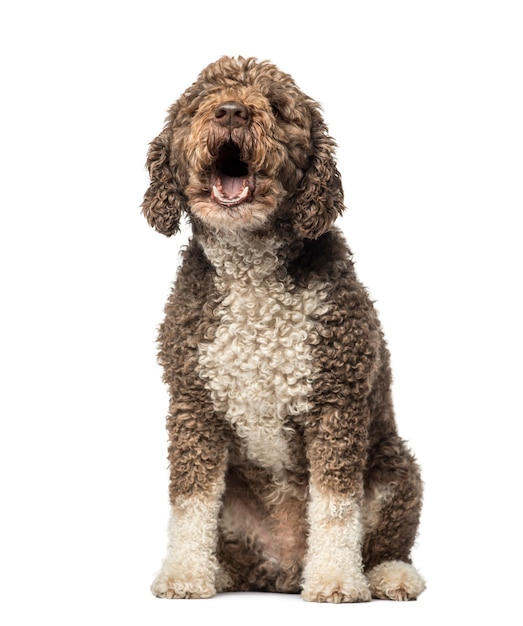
286, 470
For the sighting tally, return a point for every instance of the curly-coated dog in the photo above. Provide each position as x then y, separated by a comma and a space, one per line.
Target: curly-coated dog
286, 470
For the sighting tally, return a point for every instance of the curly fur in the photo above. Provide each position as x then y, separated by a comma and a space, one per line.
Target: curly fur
286, 470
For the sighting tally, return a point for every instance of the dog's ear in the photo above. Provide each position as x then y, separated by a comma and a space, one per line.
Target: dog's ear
164, 200
320, 193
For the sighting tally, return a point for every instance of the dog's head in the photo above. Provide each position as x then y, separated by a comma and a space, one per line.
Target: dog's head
240, 146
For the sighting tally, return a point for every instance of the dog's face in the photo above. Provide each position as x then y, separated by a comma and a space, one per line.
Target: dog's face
247, 144
242, 144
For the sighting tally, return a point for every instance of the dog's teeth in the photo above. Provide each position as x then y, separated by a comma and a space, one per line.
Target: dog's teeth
218, 194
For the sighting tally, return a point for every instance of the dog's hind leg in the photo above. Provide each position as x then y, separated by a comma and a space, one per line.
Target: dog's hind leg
395, 580
391, 513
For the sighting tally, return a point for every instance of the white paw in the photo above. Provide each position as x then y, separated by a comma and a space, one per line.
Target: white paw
165, 586
395, 580
354, 589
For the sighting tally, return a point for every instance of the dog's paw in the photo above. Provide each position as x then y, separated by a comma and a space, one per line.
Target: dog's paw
395, 580
355, 589
165, 586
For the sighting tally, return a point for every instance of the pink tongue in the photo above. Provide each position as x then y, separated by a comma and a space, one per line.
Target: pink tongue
231, 185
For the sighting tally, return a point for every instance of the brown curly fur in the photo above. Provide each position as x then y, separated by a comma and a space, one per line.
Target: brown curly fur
344, 446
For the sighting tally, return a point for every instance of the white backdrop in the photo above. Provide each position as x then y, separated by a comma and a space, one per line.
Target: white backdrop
425, 101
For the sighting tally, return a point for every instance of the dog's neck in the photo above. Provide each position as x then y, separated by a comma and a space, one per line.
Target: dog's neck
257, 255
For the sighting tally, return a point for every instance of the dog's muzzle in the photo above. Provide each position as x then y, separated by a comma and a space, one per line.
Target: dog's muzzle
232, 183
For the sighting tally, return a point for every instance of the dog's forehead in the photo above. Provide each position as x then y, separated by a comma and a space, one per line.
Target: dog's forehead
234, 73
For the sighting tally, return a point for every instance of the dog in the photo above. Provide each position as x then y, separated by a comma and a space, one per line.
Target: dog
287, 473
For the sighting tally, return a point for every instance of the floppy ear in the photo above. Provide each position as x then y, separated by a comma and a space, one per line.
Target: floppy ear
320, 194
164, 200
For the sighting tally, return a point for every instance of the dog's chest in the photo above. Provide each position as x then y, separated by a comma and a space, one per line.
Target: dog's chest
259, 366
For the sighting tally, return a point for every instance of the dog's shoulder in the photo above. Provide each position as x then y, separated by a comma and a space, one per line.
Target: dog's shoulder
195, 272
327, 258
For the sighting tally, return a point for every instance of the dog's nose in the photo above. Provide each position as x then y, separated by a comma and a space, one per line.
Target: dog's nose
232, 113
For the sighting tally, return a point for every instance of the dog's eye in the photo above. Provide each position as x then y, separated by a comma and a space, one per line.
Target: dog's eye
275, 110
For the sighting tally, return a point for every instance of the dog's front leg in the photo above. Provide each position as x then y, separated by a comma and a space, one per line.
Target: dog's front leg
333, 569
198, 461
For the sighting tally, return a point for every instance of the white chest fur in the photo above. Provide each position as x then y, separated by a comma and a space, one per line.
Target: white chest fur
259, 366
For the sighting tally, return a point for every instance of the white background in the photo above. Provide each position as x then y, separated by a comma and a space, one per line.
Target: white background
425, 101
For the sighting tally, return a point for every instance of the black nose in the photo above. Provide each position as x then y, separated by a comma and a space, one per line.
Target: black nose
232, 113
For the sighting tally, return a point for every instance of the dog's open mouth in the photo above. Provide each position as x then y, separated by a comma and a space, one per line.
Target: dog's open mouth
231, 182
